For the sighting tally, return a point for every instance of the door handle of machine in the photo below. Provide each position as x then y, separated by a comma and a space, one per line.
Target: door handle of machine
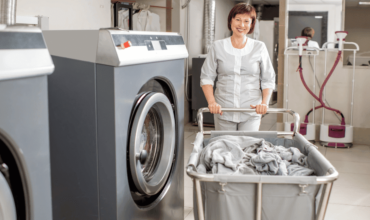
142, 156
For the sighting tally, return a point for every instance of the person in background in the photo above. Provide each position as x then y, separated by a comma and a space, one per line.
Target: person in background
243, 68
309, 33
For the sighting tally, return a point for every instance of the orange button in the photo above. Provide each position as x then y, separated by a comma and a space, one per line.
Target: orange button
125, 45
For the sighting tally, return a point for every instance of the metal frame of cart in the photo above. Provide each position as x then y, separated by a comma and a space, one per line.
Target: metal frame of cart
326, 181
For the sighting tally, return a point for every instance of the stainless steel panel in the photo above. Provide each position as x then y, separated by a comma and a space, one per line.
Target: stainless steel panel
106, 52
23, 53
24, 124
73, 141
172, 196
25, 63
96, 102
76, 44
99, 46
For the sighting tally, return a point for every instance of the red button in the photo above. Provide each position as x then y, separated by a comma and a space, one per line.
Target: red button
125, 45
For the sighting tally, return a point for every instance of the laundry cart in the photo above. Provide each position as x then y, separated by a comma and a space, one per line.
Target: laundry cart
262, 197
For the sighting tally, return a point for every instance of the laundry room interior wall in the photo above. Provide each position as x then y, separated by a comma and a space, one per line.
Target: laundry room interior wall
357, 24
95, 14
334, 14
68, 14
175, 19
338, 89
195, 46
338, 93
196, 24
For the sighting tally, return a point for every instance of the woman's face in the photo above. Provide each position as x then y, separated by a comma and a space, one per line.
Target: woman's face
241, 24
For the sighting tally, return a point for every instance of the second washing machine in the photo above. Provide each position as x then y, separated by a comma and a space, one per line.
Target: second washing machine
116, 124
25, 63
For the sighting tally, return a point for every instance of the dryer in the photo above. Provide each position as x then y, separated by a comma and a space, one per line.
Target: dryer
25, 62
116, 124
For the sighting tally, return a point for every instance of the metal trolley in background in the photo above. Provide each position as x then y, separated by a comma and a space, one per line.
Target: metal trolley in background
261, 197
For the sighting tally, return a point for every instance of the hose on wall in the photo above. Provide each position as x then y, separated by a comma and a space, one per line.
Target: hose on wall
319, 98
326, 101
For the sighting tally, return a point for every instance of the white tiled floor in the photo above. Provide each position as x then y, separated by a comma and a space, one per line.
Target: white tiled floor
350, 197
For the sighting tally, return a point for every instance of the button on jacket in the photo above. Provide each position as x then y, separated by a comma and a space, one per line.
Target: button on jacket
242, 73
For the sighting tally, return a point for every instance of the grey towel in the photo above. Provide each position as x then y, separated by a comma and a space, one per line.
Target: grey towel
248, 155
297, 170
269, 163
222, 151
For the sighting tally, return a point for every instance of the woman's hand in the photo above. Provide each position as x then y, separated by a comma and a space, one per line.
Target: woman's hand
215, 108
260, 108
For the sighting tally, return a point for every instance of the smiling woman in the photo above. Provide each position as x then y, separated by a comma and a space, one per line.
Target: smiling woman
243, 68
243, 16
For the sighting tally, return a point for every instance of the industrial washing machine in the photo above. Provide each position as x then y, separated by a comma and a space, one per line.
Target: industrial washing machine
25, 188
116, 124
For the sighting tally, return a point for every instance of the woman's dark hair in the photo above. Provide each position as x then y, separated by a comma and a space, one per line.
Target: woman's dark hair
307, 32
243, 8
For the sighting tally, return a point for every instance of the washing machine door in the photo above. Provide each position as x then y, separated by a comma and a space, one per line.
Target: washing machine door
152, 143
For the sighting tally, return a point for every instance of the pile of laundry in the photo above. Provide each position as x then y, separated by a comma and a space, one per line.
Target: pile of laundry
248, 155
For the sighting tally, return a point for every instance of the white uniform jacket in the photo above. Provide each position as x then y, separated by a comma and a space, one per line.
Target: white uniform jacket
123, 19
242, 73
146, 21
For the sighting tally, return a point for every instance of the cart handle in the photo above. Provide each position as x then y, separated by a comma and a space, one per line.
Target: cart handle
270, 110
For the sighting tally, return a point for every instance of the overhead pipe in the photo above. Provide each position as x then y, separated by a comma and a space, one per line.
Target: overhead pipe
8, 11
209, 24
186, 5
259, 11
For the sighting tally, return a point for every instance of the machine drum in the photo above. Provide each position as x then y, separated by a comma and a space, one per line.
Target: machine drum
152, 143
7, 206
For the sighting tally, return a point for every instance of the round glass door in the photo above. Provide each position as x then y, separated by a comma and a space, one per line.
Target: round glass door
152, 143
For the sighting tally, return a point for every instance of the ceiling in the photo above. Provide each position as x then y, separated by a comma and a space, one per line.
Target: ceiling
349, 3
355, 3
265, 2
306, 2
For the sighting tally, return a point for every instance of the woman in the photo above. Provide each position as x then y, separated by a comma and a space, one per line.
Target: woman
243, 68
309, 33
